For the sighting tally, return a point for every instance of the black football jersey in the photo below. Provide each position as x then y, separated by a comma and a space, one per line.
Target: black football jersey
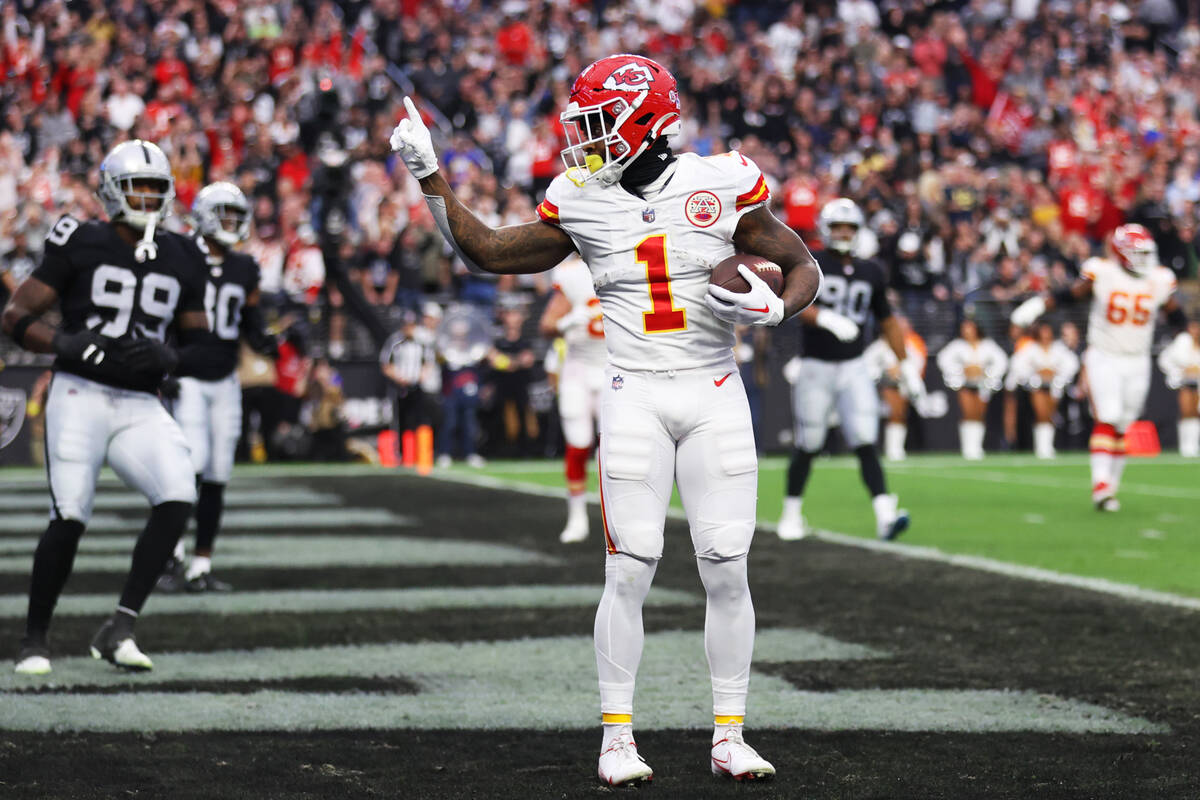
226, 290
102, 287
856, 290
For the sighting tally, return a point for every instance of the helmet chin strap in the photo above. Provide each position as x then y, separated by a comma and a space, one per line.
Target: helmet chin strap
146, 249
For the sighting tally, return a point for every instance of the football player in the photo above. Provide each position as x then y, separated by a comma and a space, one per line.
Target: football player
973, 366
574, 313
121, 285
1044, 367
834, 373
1180, 365
1127, 288
650, 225
209, 406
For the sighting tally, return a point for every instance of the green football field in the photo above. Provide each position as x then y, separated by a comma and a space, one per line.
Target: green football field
1008, 508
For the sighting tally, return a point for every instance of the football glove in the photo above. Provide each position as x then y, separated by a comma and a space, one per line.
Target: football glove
414, 144
841, 326
87, 346
1025, 314
910, 380
759, 306
149, 356
791, 370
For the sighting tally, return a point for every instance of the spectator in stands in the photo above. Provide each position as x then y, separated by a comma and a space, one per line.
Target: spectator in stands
512, 360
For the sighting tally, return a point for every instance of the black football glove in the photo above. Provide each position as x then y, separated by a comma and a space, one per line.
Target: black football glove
149, 357
87, 346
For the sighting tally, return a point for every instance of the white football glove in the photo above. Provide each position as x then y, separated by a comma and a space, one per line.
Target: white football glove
791, 370
1024, 315
910, 380
411, 139
759, 306
844, 328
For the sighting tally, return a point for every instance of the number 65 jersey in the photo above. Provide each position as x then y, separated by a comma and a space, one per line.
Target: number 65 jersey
651, 258
1124, 306
102, 287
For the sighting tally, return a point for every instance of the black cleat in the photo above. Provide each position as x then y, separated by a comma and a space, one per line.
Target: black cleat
205, 582
119, 648
172, 580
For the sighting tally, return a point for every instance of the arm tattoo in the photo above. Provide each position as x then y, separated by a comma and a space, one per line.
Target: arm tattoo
760, 233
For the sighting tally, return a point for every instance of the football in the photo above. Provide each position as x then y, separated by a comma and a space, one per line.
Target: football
726, 275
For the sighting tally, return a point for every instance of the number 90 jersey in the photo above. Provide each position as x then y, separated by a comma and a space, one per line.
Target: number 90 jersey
650, 259
1124, 306
102, 287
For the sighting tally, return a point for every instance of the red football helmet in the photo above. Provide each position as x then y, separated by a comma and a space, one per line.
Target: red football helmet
1134, 249
618, 107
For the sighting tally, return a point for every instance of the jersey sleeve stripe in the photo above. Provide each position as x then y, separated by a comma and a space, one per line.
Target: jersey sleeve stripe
759, 194
548, 212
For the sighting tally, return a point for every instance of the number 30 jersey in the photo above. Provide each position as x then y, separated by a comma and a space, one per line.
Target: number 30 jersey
650, 259
857, 290
1124, 306
102, 287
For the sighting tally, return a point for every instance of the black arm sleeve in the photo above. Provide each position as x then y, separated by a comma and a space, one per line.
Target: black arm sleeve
255, 333
203, 355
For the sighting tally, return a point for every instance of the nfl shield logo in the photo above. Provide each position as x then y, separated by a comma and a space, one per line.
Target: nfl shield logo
647, 215
618, 382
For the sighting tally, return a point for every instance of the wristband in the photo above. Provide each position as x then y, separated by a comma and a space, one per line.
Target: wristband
18, 332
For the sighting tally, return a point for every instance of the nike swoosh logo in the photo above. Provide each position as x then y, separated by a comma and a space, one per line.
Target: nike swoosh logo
762, 310
719, 382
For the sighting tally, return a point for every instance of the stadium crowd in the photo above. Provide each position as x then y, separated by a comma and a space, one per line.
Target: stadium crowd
992, 146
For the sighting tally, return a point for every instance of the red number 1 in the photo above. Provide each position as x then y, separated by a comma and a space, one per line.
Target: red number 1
652, 251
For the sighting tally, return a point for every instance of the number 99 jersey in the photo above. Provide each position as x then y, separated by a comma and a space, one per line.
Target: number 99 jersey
651, 259
102, 287
857, 290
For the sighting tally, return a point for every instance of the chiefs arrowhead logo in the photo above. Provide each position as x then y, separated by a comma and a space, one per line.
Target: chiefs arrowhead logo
630, 78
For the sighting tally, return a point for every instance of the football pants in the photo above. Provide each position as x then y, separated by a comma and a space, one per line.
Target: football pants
1118, 385
825, 385
210, 414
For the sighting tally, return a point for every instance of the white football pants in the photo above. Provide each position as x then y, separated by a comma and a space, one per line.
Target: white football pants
826, 384
210, 413
1118, 385
580, 387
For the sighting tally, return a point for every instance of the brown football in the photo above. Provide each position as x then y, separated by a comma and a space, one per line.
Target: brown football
726, 273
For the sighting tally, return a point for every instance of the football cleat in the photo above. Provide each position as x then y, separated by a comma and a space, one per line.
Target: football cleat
119, 648
1103, 497
205, 582
172, 580
732, 757
576, 529
892, 531
791, 527
621, 765
33, 658
1108, 504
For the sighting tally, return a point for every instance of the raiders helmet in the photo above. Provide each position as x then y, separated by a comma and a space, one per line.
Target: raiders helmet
131, 162
222, 213
842, 211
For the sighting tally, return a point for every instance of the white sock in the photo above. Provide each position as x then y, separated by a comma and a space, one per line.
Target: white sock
728, 632
1101, 467
1189, 437
885, 508
180, 553
576, 505
970, 434
1118, 467
1043, 440
791, 506
201, 565
894, 434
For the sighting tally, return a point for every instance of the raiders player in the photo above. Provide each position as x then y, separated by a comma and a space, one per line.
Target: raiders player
650, 225
121, 285
209, 406
834, 373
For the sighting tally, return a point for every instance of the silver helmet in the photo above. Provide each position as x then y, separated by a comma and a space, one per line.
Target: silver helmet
130, 162
222, 213
842, 211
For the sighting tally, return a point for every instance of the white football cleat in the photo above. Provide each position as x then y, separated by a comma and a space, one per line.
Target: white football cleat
33, 659
119, 649
732, 757
791, 527
620, 763
576, 529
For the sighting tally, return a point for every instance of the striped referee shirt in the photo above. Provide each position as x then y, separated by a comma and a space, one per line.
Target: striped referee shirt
406, 355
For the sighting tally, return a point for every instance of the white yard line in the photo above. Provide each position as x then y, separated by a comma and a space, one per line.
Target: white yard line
980, 563
1060, 483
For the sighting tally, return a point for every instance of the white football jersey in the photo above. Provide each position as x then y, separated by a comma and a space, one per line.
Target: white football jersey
650, 258
1180, 361
584, 342
1124, 306
956, 358
1027, 364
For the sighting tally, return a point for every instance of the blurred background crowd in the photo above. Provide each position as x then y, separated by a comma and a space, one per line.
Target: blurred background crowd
992, 145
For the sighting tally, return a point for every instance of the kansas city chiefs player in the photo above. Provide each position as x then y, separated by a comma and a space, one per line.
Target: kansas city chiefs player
1127, 290
650, 225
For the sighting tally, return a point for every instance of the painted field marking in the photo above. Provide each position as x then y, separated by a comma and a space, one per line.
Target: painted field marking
236, 519
1057, 483
489, 685
298, 552
132, 501
923, 553
342, 600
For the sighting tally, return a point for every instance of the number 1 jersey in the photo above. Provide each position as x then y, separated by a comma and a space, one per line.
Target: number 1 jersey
102, 287
650, 259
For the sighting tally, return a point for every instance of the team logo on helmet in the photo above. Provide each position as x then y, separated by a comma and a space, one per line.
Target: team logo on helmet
12, 414
702, 209
629, 77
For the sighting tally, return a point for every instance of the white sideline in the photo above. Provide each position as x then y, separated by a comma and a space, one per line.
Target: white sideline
1123, 590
